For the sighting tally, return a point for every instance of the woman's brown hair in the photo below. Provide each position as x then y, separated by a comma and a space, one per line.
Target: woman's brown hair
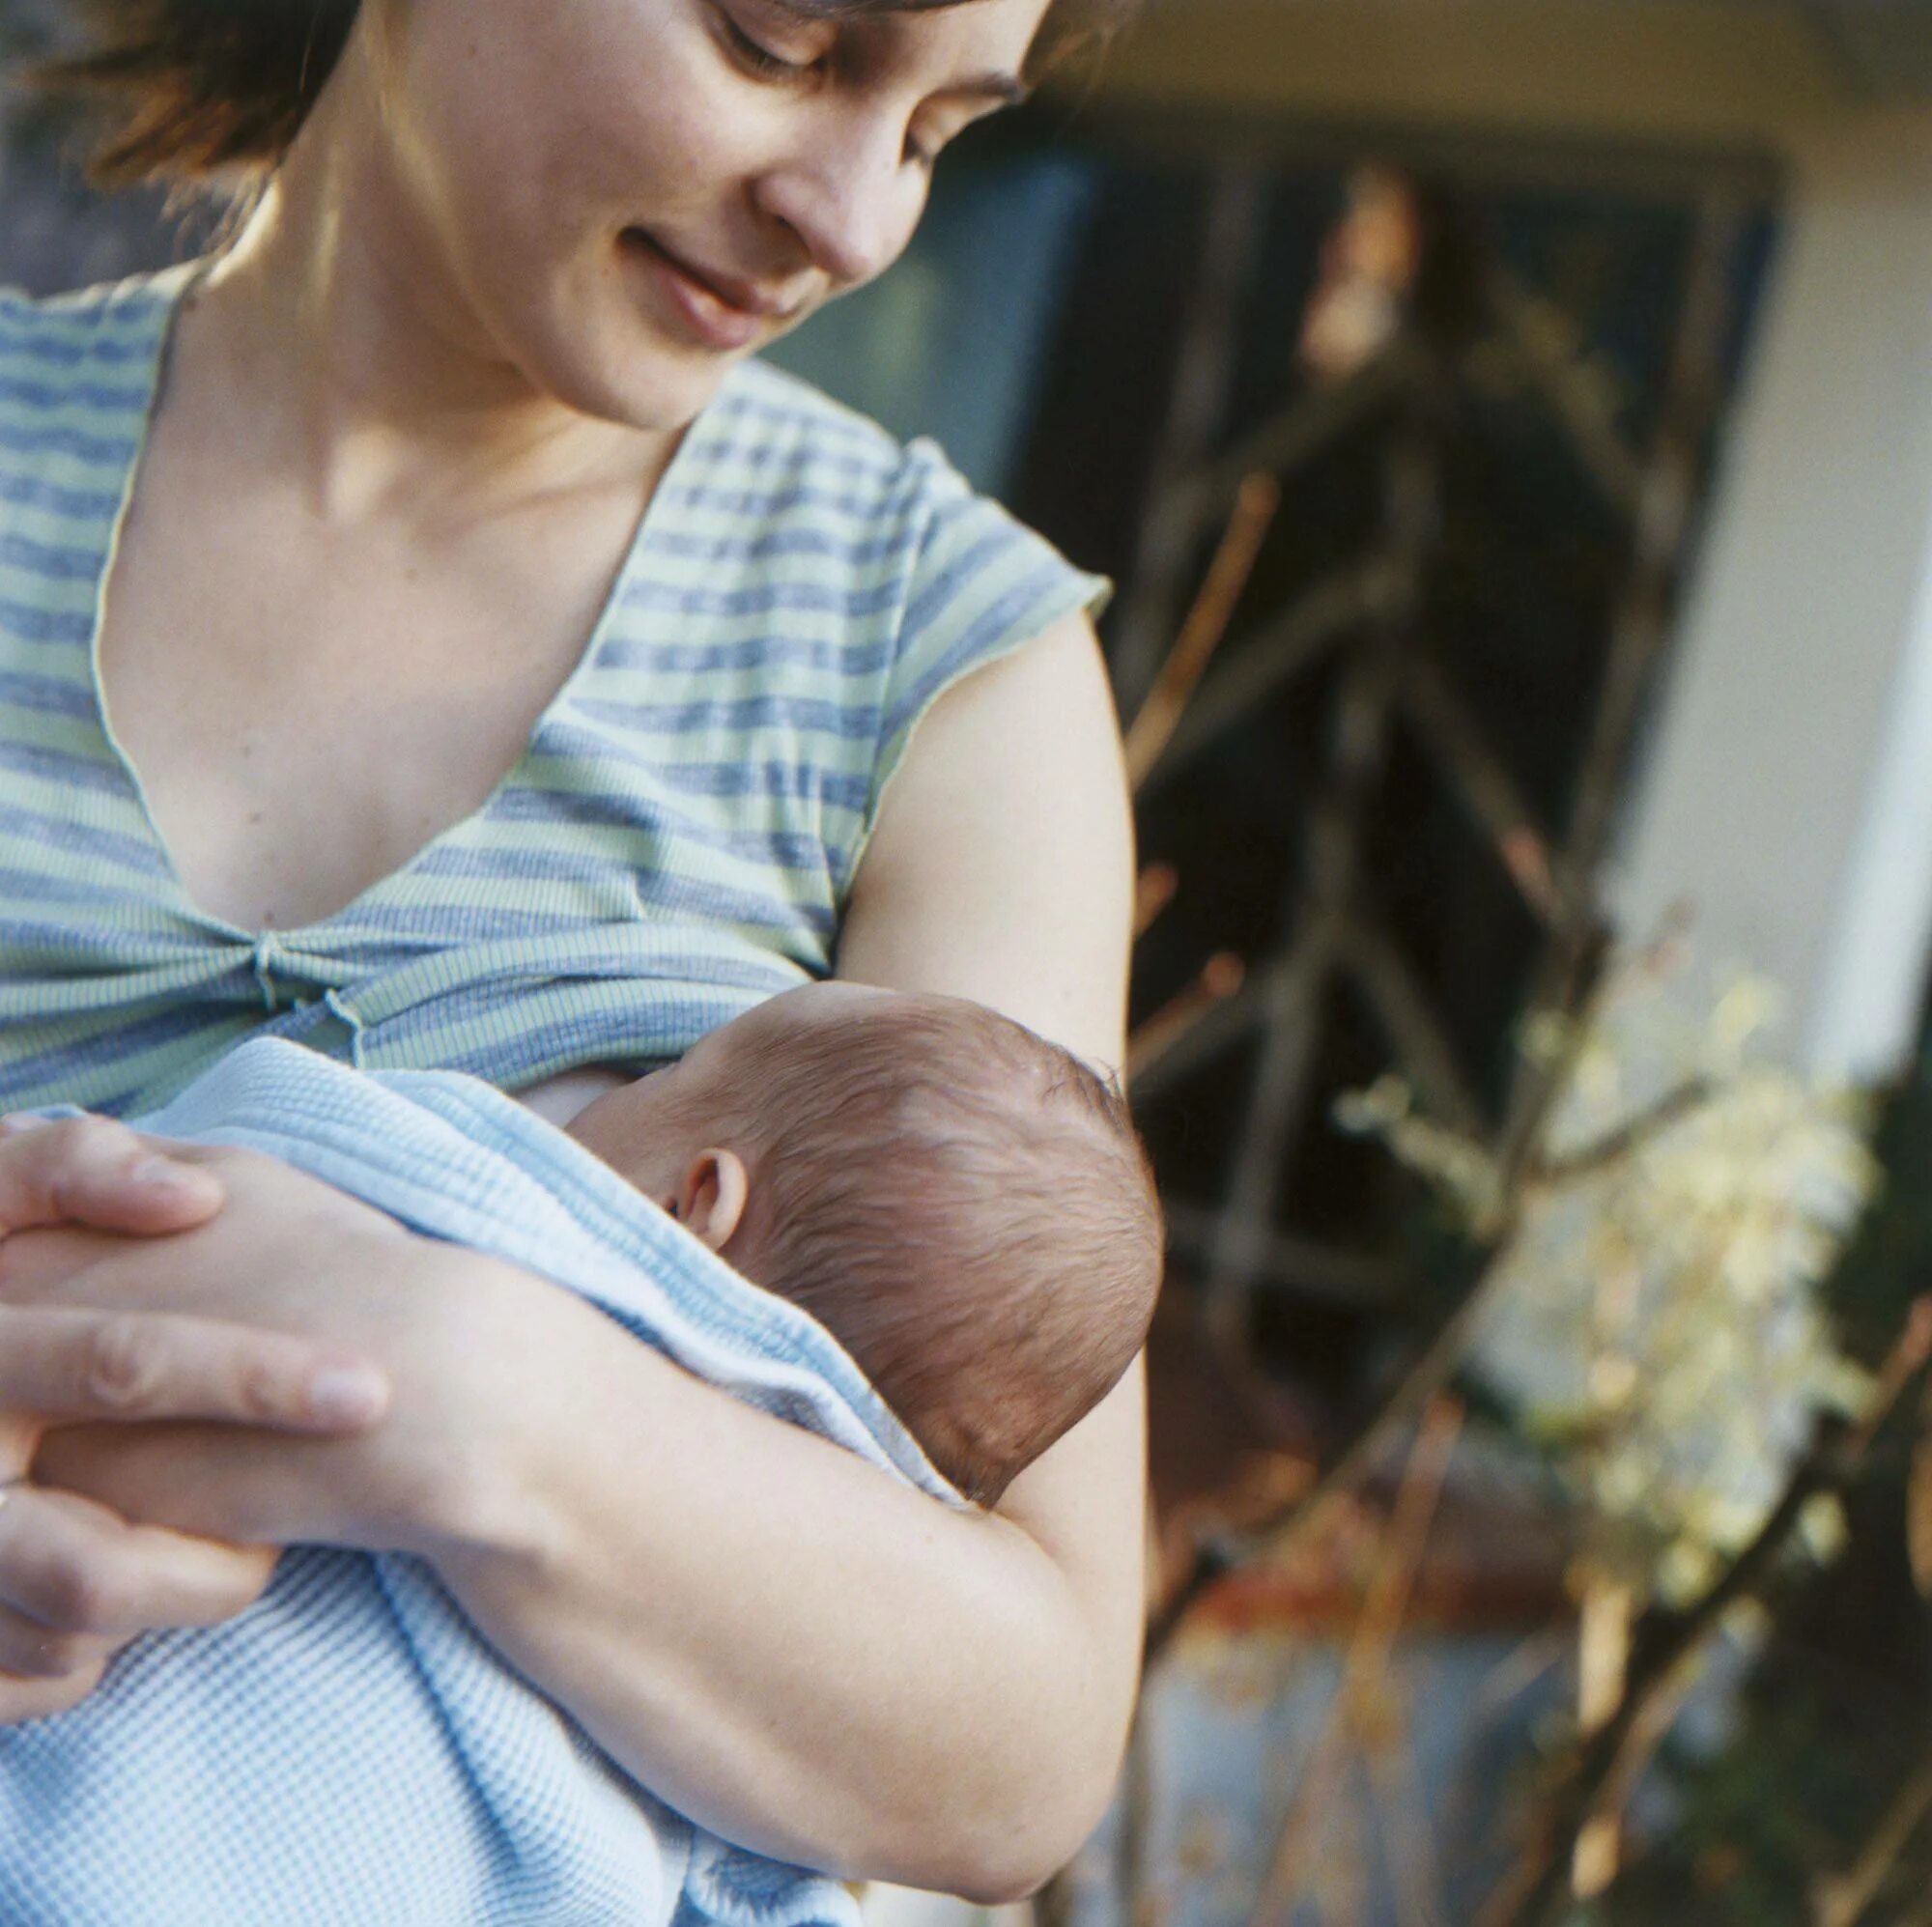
198, 88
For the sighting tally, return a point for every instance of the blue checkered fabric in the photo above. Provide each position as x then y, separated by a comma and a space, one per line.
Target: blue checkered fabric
349, 1750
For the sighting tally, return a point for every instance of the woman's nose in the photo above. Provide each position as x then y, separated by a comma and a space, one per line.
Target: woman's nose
851, 199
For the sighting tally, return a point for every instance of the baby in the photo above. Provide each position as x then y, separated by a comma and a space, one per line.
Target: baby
964, 1206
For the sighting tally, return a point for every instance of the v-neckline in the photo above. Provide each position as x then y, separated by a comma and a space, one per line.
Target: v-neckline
171, 288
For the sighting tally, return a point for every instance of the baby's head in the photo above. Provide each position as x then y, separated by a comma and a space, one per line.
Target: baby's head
964, 1206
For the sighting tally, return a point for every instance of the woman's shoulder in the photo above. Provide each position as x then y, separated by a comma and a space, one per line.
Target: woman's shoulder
78, 375
800, 472
917, 578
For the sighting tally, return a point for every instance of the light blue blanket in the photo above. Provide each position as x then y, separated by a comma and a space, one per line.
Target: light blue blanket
349, 1751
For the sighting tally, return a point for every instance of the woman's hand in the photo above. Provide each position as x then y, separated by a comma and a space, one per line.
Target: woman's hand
78, 1581
288, 1255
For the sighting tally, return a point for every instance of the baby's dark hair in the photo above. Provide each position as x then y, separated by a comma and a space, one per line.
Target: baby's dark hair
966, 1207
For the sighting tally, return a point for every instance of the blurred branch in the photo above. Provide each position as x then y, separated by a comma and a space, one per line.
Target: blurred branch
1629, 1138
1667, 495
1841, 1900
1154, 890
1422, 1049
1667, 1641
1365, 1668
1919, 1502
1196, 403
1274, 656
1415, 1872
1568, 979
1207, 624
1290, 439
1219, 1552
1477, 774
1220, 979
1382, 597
1324, 903
1189, 1047
1311, 1267
1542, 343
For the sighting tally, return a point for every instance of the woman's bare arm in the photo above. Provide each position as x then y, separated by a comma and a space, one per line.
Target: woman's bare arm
853, 1677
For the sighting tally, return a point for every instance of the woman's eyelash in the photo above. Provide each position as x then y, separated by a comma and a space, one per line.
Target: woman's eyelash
758, 57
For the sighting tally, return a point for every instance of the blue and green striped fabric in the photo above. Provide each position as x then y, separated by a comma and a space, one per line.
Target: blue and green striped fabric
676, 842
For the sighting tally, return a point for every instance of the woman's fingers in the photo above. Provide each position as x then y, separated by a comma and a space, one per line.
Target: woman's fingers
23, 1699
30, 1651
72, 1366
91, 1170
90, 1581
210, 1482
77, 1583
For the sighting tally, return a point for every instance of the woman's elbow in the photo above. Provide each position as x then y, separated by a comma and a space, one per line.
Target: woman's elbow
1039, 1821
1013, 1863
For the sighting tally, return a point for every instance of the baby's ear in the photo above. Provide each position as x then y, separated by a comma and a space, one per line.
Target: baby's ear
712, 1198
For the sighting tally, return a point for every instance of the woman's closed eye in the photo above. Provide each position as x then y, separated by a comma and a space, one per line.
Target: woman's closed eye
757, 52
760, 58
766, 41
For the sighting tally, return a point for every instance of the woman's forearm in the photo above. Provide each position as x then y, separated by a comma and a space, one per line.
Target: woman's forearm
798, 1653
773, 1636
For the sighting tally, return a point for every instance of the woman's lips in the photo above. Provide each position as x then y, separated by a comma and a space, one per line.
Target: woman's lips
707, 314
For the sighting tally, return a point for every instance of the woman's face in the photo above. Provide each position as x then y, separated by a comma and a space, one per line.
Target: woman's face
624, 197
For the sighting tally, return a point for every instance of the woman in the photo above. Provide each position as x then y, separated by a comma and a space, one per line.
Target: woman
401, 435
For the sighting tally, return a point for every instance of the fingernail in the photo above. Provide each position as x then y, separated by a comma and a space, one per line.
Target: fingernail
348, 1395
16, 1123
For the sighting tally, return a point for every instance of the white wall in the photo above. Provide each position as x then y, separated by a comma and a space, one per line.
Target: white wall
1788, 796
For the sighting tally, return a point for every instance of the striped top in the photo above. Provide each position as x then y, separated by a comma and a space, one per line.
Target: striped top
677, 841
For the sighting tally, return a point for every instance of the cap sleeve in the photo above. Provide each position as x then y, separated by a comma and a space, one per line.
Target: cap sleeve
980, 585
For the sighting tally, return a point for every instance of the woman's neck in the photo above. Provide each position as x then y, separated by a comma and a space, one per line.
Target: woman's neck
344, 346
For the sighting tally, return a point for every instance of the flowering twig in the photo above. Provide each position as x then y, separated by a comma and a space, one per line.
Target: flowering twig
1628, 1137
1667, 1641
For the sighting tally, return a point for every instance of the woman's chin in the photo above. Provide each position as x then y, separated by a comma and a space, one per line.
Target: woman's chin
632, 376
